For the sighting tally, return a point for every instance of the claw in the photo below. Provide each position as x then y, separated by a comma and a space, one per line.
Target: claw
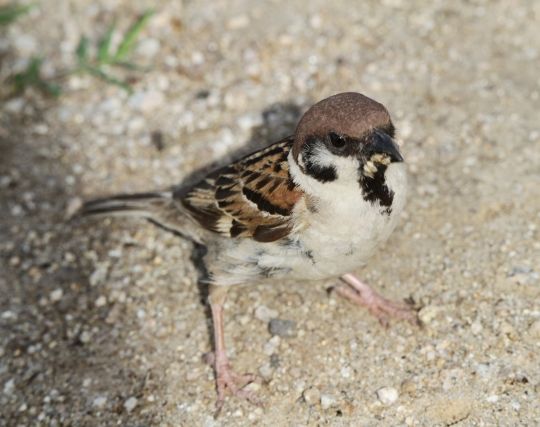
383, 309
236, 384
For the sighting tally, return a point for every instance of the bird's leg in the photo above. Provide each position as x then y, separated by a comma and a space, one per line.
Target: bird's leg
362, 294
226, 379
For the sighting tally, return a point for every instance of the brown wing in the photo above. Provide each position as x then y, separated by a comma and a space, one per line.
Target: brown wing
253, 197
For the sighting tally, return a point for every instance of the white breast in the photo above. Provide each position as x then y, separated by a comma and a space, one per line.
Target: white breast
344, 230
338, 236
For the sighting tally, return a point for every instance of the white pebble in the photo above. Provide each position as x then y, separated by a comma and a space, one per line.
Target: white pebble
327, 401
312, 395
265, 314
85, 337
387, 395
428, 313
476, 327
249, 121
130, 404
266, 370
146, 101
148, 47
56, 295
101, 301
14, 105
346, 372
25, 44
99, 274
99, 401
272, 345
9, 386
237, 22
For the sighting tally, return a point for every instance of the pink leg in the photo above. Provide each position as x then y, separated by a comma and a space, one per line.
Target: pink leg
226, 379
382, 308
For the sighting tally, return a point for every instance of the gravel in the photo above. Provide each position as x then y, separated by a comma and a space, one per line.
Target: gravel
282, 328
387, 395
101, 322
327, 401
265, 314
130, 404
312, 395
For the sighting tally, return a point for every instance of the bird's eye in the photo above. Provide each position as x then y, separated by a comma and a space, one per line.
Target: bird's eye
336, 140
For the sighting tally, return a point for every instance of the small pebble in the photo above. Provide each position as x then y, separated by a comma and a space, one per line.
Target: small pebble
447, 411
282, 328
266, 371
428, 314
130, 404
14, 105
9, 386
408, 387
237, 22
476, 328
534, 329
146, 101
346, 372
99, 401
148, 47
85, 337
327, 401
252, 387
272, 345
387, 395
25, 44
265, 314
99, 274
312, 395
56, 295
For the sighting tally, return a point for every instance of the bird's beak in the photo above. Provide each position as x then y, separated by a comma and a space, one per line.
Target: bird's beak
381, 143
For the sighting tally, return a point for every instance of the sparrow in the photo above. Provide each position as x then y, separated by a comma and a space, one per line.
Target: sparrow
311, 207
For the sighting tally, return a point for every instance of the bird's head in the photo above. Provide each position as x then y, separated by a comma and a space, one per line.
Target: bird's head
347, 138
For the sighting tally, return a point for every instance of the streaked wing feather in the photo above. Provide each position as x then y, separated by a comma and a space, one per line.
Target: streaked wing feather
252, 198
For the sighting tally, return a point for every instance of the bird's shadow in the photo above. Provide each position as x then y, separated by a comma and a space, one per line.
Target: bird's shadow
278, 121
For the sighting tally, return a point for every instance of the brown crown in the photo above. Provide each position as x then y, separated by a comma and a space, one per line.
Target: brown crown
348, 113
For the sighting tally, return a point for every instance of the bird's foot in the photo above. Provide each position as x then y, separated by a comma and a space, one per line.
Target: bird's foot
383, 309
228, 381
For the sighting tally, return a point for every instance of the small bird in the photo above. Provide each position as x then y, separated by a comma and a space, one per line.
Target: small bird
311, 207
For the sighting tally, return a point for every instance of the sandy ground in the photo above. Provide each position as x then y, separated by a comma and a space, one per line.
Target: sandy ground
101, 322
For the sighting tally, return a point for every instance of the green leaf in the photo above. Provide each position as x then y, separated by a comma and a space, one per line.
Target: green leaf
130, 66
49, 88
104, 46
128, 42
10, 13
31, 77
100, 74
82, 50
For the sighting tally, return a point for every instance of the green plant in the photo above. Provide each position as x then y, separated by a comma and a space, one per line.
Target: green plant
31, 77
9, 13
98, 65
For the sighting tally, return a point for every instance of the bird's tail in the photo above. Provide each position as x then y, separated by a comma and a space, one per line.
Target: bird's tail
161, 208
146, 205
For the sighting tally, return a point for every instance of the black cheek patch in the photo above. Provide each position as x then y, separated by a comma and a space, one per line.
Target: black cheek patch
319, 172
322, 173
375, 190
